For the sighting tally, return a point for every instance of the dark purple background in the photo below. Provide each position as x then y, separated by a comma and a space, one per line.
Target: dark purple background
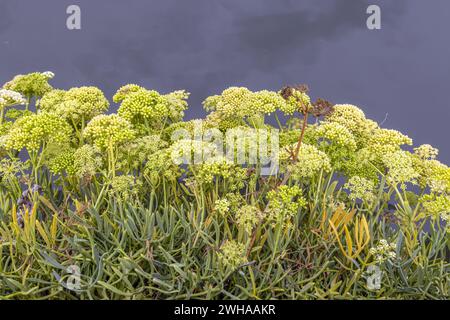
204, 46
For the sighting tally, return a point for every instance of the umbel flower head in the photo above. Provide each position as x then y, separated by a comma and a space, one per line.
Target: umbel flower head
31, 85
160, 166
383, 141
384, 251
247, 217
124, 188
238, 105
232, 254
177, 102
361, 188
144, 109
10, 98
336, 141
222, 207
309, 163
220, 168
297, 99
284, 204
137, 152
32, 131
354, 119
87, 161
106, 131
124, 91
400, 168
435, 205
148, 108
62, 162
77, 104
426, 152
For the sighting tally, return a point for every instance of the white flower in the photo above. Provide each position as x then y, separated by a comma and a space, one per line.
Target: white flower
10, 98
48, 74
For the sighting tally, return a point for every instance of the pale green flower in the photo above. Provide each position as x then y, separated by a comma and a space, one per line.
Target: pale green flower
384, 141
32, 131
426, 152
335, 134
435, 204
434, 174
384, 251
145, 109
124, 188
124, 91
361, 188
237, 106
354, 119
284, 204
62, 162
232, 254
400, 168
177, 103
108, 131
135, 153
222, 207
87, 161
160, 166
233, 176
310, 162
76, 105
10, 98
247, 217
30, 85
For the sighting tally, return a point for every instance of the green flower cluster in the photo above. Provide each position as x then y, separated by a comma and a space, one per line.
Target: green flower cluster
236, 105
384, 141
10, 98
135, 153
297, 101
124, 91
222, 207
160, 166
426, 152
31, 85
435, 204
354, 119
335, 135
63, 163
107, 131
284, 204
87, 161
400, 166
361, 188
337, 142
232, 254
77, 104
221, 169
177, 102
188, 151
435, 175
383, 251
124, 188
148, 109
247, 217
9, 168
32, 131
310, 162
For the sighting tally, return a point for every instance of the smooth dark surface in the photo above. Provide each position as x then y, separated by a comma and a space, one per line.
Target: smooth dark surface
204, 46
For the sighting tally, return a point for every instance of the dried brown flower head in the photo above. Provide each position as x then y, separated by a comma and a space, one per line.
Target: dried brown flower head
322, 108
287, 91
